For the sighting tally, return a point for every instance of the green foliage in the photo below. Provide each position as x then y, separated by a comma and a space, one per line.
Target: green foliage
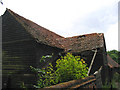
23, 86
44, 74
68, 68
109, 85
116, 80
113, 84
46, 77
116, 77
44, 58
114, 54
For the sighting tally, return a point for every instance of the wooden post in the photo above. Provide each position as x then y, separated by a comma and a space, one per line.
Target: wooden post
92, 62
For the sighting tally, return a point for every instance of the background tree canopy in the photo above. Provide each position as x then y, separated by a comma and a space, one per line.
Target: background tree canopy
115, 55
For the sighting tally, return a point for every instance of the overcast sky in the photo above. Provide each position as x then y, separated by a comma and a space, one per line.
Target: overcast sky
71, 17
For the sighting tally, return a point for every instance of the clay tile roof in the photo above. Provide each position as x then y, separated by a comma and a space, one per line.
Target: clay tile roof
82, 42
74, 44
41, 34
111, 62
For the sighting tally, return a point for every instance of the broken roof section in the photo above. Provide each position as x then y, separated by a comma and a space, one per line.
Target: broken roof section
71, 44
112, 63
82, 42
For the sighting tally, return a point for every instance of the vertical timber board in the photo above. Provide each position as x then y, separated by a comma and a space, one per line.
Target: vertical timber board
98, 79
17, 58
0, 52
104, 72
12, 29
43, 50
18, 50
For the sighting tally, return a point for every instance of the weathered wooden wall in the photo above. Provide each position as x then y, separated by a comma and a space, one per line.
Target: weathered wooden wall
20, 51
17, 58
12, 30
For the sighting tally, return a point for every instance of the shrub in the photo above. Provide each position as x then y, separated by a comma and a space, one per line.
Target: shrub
45, 75
68, 68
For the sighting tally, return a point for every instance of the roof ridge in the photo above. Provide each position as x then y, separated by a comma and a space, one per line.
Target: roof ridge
39, 33
75, 44
86, 35
19, 16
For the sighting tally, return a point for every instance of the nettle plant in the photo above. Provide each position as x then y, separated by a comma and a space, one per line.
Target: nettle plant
68, 68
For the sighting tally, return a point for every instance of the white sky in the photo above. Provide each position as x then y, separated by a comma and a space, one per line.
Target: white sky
71, 17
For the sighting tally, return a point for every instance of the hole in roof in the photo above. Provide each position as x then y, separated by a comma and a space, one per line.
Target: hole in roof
81, 36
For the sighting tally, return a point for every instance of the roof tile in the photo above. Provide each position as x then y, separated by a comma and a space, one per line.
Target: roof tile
45, 36
111, 62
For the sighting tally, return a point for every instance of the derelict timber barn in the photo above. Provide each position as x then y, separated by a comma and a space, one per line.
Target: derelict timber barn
25, 42
21, 50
